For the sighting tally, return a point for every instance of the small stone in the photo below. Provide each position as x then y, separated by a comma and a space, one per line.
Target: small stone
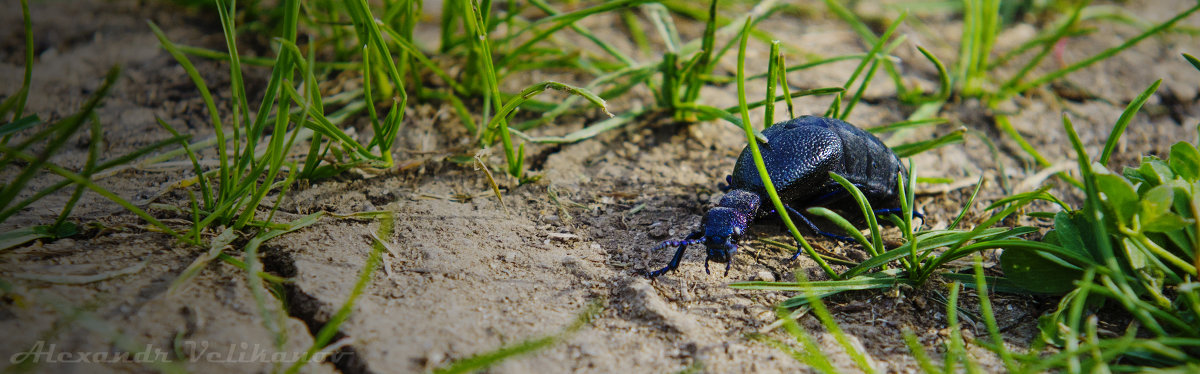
764, 276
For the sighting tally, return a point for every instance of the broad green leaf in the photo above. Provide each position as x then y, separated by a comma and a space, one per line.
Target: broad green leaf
1117, 194
1034, 272
1066, 233
1185, 161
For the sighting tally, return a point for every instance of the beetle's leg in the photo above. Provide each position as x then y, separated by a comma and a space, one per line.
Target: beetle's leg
812, 226
727, 185
898, 211
730, 263
672, 243
692, 238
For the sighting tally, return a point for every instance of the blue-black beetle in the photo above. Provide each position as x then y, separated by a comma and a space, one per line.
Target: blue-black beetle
799, 155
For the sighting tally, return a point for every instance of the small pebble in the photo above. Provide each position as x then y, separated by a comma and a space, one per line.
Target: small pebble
765, 276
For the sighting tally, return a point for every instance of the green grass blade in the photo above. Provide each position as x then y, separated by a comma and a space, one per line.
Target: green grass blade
19, 124
943, 91
1092, 207
929, 241
812, 354
485, 360
794, 68
241, 103
64, 130
758, 160
904, 125
206, 192
481, 47
704, 60
76, 178
989, 319
868, 213
16, 237
801, 93
781, 73
89, 167
224, 179
869, 37
217, 245
16, 208
499, 121
1192, 60
559, 22
1005, 125
23, 93
213, 54
914, 148
374, 258
970, 202
583, 31
769, 112
1047, 45
589, 131
859, 357
918, 352
846, 226
408, 47
1106, 53
712, 113
660, 17
871, 58
368, 29
954, 344
272, 319
1126, 116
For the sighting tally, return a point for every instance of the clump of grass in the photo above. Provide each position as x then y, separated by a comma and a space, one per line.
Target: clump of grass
1133, 243
955, 356
50, 138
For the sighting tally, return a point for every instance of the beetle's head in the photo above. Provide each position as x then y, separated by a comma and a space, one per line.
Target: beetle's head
723, 228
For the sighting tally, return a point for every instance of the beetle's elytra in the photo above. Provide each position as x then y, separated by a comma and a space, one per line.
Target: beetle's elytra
799, 155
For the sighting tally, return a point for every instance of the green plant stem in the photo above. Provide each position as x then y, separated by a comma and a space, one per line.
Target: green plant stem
758, 161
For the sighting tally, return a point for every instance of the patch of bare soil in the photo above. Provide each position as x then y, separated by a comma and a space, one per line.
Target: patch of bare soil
466, 274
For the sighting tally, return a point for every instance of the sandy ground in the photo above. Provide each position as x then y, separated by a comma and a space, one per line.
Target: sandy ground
468, 275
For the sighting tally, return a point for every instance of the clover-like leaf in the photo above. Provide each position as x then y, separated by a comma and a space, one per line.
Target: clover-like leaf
1134, 175
1155, 171
1154, 210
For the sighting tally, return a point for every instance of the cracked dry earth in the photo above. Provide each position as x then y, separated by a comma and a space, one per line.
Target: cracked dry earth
466, 274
